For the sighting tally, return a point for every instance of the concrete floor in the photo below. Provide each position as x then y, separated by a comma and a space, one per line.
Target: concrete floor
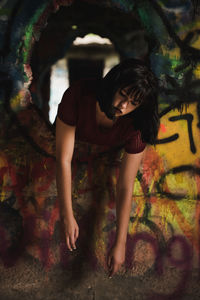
27, 280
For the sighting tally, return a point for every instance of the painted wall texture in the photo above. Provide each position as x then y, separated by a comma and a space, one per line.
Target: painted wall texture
163, 245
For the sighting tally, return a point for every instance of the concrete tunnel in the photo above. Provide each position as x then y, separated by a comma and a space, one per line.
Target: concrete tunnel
163, 242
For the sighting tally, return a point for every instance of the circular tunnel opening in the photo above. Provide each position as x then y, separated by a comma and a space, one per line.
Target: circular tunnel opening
66, 43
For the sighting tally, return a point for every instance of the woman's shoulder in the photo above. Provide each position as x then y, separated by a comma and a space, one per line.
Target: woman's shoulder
128, 129
133, 138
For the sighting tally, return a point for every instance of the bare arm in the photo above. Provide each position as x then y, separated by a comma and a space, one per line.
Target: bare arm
65, 137
128, 172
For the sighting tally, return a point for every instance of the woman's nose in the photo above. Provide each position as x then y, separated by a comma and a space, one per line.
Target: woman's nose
124, 104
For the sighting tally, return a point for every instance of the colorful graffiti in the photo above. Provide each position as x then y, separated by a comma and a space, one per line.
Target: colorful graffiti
165, 217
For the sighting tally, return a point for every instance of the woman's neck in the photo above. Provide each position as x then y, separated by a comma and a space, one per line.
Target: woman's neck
101, 118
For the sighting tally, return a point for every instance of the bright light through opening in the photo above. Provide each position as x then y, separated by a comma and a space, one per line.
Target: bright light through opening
59, 73
59, 83
91, 38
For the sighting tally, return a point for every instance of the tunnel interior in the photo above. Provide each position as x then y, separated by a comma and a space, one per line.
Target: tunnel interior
125, 31
162, 251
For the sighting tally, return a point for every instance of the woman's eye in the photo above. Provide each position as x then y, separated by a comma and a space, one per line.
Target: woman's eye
134, 103
123, 92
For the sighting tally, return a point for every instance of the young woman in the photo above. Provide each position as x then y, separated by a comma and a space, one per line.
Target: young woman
118, 111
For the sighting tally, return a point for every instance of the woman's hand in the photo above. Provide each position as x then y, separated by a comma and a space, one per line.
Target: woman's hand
116, 258
71, 231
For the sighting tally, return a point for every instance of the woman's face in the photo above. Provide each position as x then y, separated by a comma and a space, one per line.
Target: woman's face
123, 103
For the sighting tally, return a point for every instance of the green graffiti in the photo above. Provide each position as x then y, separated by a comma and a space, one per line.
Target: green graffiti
29, 33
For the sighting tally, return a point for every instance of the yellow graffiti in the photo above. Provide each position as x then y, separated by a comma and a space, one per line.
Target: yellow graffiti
178, 152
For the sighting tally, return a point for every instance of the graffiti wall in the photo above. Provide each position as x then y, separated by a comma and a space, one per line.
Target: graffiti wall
165, 217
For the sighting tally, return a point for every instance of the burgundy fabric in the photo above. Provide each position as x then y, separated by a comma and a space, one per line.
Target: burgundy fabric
78, 108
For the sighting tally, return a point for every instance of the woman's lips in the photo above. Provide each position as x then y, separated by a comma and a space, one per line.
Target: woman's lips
118, 110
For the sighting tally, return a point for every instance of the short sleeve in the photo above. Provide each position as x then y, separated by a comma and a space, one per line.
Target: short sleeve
134, 143
68, 107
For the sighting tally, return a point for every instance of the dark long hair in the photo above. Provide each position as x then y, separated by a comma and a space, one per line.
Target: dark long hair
142, 86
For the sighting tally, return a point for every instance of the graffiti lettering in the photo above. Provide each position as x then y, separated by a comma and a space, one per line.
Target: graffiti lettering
168, 140
183, 262
185, 168
142, 236
189, 119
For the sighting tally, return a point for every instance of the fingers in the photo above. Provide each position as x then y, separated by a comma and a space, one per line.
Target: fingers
76, 233
74, 238
68, 243
114, 268
71, 239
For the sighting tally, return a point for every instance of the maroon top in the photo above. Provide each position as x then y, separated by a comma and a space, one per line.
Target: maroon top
78, 108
